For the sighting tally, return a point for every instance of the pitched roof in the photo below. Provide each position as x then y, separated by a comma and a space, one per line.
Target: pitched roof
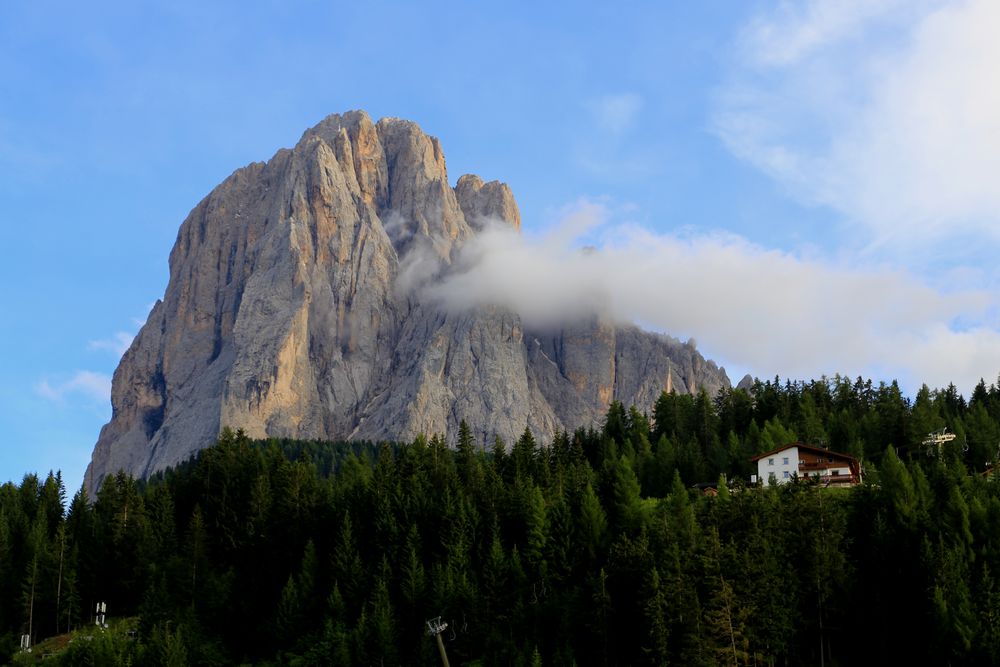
808, 448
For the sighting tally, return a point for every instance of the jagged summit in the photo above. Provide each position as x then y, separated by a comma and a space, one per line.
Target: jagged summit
284, 315
483, 201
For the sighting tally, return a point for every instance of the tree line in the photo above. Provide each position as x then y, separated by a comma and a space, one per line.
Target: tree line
593, 549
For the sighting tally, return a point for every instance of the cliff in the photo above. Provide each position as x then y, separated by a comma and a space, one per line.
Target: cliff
284, 316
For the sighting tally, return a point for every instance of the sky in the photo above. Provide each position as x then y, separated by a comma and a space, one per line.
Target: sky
804, 188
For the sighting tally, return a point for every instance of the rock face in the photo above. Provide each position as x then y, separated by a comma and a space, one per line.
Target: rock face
285, 316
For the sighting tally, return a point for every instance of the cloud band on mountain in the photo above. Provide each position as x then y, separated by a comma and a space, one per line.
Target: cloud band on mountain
769, 311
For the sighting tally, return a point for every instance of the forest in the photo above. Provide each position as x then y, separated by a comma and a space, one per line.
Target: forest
598, 548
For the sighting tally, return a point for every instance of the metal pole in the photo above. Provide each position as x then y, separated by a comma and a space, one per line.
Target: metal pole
444, 656
435, 627
31, 607
62, 548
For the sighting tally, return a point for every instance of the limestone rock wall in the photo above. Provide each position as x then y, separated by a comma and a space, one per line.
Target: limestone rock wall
285, 316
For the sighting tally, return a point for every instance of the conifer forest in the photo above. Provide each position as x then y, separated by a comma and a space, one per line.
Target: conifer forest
597, 548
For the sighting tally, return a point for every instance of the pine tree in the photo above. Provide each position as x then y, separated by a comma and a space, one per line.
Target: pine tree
523, 456
655, 613
627, 505
725, 617
196, 556
897, 487
307, 582
52, 501
988, 611
6, 558
414, 579
381, 641
592, 523
536, 528
166, 648
561, 543
500, 463
347, 568
289, 614
31, 596
81, 536
468, 463
601, 612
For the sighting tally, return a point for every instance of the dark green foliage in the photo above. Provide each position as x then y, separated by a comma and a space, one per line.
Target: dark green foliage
593, 550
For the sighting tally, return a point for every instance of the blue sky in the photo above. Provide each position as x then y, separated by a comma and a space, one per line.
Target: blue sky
805, 188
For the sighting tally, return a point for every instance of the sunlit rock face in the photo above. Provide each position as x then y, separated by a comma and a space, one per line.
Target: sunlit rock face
289, 313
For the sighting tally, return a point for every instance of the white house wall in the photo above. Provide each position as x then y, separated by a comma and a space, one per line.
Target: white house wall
782, 465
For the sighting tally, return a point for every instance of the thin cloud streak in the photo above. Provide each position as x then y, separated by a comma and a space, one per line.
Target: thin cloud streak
775, 312
795, 31
117, 344
886, 111
91, 385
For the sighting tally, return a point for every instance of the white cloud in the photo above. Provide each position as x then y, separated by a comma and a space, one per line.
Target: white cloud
95, 386
120, 342
616, 113
797, 29
117, 344
774, 311
885, 110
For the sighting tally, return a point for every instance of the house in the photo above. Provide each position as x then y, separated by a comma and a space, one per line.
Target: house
798, 460
707, 488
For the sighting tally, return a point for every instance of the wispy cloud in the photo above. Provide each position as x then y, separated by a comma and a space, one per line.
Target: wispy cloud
88, 384
616, 113
117, 344
120, 341
777, 312
794, 31
885, 110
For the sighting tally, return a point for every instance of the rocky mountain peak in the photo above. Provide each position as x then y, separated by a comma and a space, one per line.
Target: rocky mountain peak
482, 202
284, 316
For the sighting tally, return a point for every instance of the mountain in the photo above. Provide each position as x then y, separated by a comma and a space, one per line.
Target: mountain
287, 314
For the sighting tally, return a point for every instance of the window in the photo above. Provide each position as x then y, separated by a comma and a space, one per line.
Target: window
784, 461
785, 475
834, 472
770, 462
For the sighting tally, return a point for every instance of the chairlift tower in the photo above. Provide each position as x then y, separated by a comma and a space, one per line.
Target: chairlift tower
435, 627
936, 440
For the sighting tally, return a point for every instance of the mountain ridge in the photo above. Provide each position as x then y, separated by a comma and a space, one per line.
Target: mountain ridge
284, 315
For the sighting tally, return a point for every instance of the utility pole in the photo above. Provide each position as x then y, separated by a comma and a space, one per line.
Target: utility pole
435, 627
31, 606
62, 549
